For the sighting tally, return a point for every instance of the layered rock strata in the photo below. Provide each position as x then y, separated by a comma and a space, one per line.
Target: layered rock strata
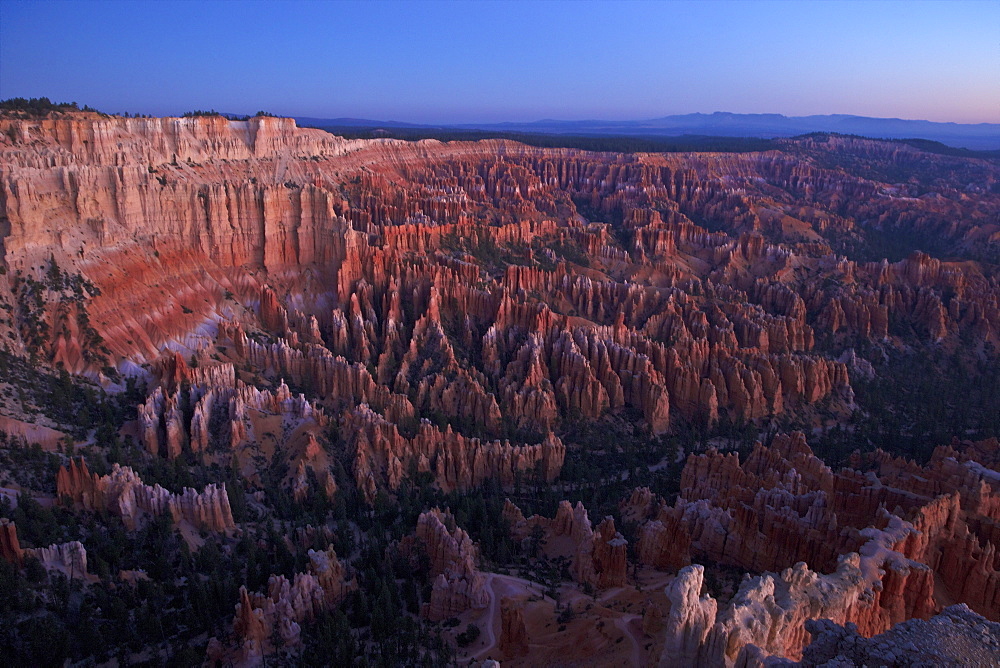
358, 255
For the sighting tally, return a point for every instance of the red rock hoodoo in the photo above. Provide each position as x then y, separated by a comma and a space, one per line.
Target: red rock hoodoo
344, 325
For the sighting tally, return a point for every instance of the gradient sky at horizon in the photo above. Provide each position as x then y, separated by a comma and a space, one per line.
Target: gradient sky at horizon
448, 62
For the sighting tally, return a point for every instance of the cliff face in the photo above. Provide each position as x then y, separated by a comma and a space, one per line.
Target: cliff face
45, 143
667, 318
95, 182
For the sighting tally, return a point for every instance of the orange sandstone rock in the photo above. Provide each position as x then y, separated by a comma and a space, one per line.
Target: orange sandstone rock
513, 634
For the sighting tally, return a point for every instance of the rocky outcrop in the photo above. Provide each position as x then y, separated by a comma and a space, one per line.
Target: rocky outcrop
123, 493
10, 546
664, 544
513, 634
216, 399
207, 409
328, 376
383, 456
597, 558
436, 299
691, 618
28, 432
70, 558
669, 318
610, 555
746, 514
457, 583
652, 619
957, 636
971, 570
493, 289
874, 590
282, 609
784, 505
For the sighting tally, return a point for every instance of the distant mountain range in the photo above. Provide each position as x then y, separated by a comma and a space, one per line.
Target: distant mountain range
981, 136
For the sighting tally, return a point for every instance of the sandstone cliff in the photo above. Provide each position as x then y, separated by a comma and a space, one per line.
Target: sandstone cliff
708, 322
448, 308
783, 504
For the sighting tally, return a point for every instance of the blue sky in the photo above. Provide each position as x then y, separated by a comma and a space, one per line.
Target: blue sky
519, 61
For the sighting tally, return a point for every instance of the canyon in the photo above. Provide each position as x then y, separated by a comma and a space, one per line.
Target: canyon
359, 360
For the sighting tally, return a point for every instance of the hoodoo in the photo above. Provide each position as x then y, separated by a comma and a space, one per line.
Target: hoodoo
371, 392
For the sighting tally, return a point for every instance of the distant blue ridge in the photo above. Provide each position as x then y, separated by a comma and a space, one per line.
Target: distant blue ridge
980, 136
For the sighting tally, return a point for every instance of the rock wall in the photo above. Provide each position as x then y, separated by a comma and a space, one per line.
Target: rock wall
123, 493
781, 504
598, 558
457, 583
456, 461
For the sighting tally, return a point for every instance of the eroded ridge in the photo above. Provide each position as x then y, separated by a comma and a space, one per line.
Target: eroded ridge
339, 357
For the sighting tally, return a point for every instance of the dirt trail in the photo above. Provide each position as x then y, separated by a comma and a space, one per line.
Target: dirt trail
636, 659
490, 620
499, 586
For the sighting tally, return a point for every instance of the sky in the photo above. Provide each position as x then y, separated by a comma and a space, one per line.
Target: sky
467, 61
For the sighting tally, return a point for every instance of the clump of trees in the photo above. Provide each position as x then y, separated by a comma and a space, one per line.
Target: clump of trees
233, 117
197, 113
39, 106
